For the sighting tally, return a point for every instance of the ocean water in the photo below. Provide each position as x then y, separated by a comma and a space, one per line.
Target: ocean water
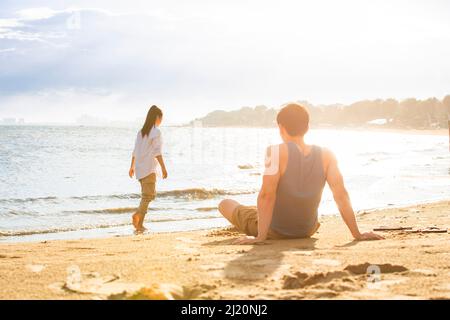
61, 182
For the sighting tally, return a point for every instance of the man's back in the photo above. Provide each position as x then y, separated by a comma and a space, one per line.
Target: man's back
299, 191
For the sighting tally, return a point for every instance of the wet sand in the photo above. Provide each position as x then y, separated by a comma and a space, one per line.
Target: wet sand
205, 265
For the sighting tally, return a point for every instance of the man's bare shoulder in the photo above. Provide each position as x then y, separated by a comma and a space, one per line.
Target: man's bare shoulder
327, 153
280, 149
328, 157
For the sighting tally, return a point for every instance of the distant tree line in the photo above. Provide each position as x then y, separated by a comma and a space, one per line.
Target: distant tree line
410, 113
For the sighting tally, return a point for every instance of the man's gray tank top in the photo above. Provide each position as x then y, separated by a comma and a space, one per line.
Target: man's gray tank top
299, 193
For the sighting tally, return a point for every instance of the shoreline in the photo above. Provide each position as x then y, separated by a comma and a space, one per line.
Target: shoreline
437, 132
102, 233
205, 265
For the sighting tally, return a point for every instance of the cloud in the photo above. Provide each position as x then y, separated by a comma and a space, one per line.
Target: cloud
63, 105
7, 50
196, 56
36, 13
9, 23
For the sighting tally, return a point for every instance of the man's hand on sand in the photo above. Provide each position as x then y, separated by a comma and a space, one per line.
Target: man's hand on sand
248, 240
366, 236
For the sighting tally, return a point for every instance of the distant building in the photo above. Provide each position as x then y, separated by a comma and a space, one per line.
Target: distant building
379, 122
9, 121
87, 120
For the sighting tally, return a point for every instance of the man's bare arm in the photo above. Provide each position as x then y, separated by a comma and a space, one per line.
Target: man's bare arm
266, 202
266, 197
342, 199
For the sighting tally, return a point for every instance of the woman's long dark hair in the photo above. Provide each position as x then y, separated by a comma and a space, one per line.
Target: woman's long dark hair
152, 115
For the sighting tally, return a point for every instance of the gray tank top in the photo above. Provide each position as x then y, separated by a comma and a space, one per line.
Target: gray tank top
299, 193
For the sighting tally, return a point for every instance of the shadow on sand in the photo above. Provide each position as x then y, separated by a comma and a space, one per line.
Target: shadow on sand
262, 261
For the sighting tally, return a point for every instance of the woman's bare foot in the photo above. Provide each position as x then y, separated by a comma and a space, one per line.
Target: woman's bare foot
135, 220
142, 229
140, 225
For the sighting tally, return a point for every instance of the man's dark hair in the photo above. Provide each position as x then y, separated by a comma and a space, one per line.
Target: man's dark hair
294, 118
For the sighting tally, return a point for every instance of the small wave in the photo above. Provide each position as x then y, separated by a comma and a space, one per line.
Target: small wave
168, 219
373, 153
200, 193
133, 209
245, 166
112, 210
110, 196
122, 210
116, 210
192, 194
21, 233
206, 209
28, 199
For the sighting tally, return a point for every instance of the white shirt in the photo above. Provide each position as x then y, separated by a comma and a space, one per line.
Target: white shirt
146, 149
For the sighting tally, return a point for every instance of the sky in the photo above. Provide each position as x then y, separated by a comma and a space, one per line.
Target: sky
113, 59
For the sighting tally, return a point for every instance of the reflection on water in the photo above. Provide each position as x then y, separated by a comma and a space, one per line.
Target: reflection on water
74, 179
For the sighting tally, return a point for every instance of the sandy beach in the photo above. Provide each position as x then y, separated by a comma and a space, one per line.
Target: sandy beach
205, 265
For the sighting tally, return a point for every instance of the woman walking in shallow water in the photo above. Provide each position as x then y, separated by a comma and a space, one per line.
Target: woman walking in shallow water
146, 157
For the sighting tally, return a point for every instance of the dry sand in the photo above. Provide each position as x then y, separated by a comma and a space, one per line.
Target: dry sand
205, 265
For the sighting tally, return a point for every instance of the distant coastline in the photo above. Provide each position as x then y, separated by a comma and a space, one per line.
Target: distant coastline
410, 114
373, 128
435, 131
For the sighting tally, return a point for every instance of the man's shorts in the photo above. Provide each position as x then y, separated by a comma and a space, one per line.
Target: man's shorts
245, 219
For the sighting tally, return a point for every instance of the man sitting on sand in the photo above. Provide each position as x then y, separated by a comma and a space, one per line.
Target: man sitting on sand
291, 191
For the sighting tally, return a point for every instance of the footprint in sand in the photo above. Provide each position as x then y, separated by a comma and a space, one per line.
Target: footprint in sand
186, 249
213, 267
279, 273
301, 252
303, 280
186, 240
215, 270
390, 282
2, 256
263, 262
351, 278
384, 268
94, 283
444, 287
187, 245
256, 270
251, 270
327, 262
237, 273
424, 272
35, 267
